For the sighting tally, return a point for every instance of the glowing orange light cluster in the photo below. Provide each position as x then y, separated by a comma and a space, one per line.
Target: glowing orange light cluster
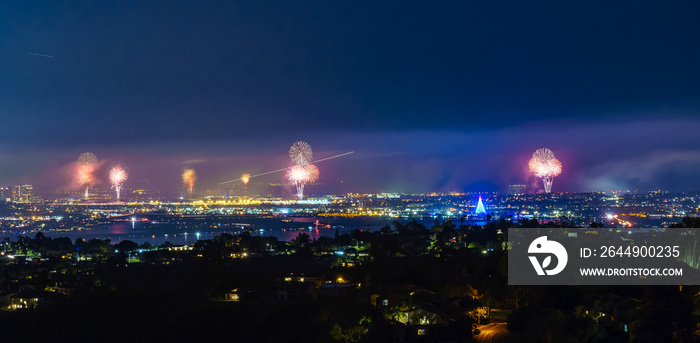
188, 179
85, 171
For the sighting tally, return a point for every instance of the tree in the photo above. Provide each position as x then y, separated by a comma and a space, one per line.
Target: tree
667, 316
521, 295
444, 232
302, 240
126, 246
355, 333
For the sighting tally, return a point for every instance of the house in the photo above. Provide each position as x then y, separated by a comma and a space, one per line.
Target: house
15, 302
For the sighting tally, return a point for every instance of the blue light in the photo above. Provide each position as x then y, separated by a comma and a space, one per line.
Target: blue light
480, 209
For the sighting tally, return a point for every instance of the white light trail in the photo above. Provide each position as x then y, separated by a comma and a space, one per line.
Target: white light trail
285, 169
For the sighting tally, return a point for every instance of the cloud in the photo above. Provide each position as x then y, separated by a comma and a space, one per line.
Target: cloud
193, 161
646, 170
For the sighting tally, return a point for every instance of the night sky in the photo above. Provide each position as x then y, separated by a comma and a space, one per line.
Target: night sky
446, 96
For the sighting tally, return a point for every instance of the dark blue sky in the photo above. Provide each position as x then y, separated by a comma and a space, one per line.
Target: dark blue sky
442, 97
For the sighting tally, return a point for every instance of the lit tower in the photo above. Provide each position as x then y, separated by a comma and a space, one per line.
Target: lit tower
480, 210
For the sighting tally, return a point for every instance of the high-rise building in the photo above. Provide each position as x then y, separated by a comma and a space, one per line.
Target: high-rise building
23, 193
5, 194
101, 194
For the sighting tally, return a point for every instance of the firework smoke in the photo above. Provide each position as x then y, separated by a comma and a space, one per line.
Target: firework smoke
117, 176
188, 179
545, 166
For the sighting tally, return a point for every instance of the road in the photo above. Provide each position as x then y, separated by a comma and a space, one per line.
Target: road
493, 333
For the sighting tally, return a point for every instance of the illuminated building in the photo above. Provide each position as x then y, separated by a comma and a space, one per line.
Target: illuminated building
22, 193
5, 194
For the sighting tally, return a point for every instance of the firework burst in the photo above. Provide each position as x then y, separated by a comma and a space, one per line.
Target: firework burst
312, 173
87, 158
300, 153
117, 176
545, 166
245, 178
188, 179
543, 154
87, 165
300, 175
297, 174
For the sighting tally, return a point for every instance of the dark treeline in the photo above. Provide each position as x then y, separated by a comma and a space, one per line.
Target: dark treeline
687, 222
361, 286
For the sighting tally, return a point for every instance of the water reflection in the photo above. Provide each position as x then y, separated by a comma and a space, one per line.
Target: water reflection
159, 233
118, 229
